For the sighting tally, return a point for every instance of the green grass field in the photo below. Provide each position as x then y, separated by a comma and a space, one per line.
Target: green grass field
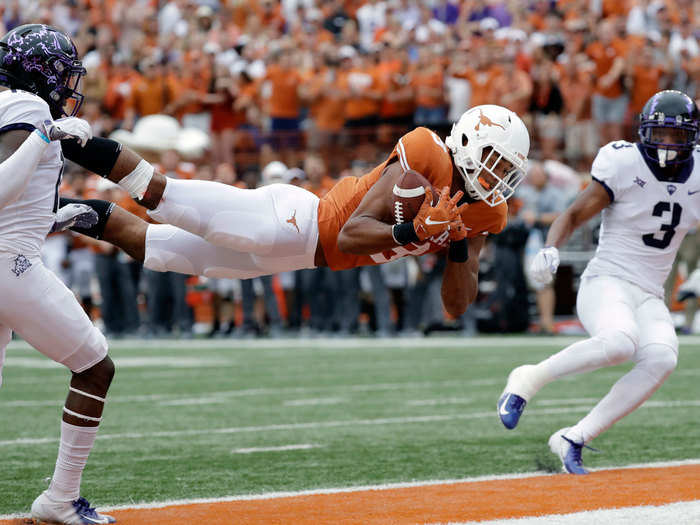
369, 412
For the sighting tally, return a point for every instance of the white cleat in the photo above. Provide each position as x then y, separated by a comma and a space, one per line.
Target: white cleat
78, 512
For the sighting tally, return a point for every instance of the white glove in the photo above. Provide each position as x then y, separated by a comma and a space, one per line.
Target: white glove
74, 214
68, 128
545, 265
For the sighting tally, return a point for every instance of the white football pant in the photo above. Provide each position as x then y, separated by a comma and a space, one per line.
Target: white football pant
233, 233
40, 308
625, 323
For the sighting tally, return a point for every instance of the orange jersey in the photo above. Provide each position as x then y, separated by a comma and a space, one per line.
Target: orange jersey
420, 150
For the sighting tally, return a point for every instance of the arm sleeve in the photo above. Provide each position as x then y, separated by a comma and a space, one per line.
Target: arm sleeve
99, 154
16, 170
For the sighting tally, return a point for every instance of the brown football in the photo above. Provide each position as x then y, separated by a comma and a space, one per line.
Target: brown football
408, 195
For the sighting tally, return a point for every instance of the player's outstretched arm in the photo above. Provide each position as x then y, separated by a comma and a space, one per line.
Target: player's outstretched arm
114, 225
109, 159
368, 230
588, 204
460, 281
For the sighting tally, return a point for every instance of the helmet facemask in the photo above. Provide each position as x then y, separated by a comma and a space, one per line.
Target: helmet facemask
669, 141
65, 96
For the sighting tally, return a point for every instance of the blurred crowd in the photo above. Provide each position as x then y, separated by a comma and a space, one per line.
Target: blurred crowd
319, 89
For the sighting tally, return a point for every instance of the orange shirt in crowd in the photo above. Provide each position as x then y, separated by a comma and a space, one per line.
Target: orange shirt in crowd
357, 82
429, 88
284, 99
150, 96
615, 8
395, 84
192, 84
512, 91
480, 82
327, 107
423, 151
576, 90
118, 93
645, 82
604, 57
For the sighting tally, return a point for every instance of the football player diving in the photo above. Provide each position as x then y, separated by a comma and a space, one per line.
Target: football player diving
209, 228
649, 196
222, 231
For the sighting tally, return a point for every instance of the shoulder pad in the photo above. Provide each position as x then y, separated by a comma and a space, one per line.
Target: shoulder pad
22, 107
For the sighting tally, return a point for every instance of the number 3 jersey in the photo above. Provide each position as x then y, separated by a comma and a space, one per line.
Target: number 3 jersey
420, 150
647, 218
25, 222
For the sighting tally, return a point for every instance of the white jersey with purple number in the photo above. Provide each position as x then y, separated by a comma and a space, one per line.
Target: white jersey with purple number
644, 224
25, 222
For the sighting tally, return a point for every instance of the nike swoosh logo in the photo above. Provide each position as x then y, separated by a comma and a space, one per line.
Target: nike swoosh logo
501, 409
431, 222
693, 192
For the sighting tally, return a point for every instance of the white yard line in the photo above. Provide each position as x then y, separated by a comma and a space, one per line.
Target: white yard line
439, 401
314, 402
332, 424
282, 448
251, 392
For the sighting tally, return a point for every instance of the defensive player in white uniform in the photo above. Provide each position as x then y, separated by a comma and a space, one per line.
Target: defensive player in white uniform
649, 194
39, 74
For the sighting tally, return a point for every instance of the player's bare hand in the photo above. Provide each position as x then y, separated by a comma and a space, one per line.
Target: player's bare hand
68, 128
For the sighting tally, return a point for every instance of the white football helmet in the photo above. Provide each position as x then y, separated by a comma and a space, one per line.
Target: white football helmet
489, 145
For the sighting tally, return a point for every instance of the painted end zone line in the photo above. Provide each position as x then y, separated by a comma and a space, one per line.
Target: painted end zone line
459, 501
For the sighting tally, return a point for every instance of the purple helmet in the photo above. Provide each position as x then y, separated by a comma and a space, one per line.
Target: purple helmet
44, 61
669, 127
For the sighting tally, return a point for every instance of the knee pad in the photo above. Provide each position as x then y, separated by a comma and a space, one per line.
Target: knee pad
92, 351
162, 253
186, 217
619, 345
658, 360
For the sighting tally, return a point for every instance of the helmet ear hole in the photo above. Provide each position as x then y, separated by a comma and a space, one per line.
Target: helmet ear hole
465, 140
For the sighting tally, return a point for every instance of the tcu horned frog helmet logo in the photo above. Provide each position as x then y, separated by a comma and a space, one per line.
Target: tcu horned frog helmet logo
489, 146
42, 60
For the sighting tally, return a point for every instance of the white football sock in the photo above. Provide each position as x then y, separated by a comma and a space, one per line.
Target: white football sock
583, 356
73, 452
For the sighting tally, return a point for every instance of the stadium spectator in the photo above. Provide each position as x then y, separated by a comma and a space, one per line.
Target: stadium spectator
542, 203
429, 85
609, 100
